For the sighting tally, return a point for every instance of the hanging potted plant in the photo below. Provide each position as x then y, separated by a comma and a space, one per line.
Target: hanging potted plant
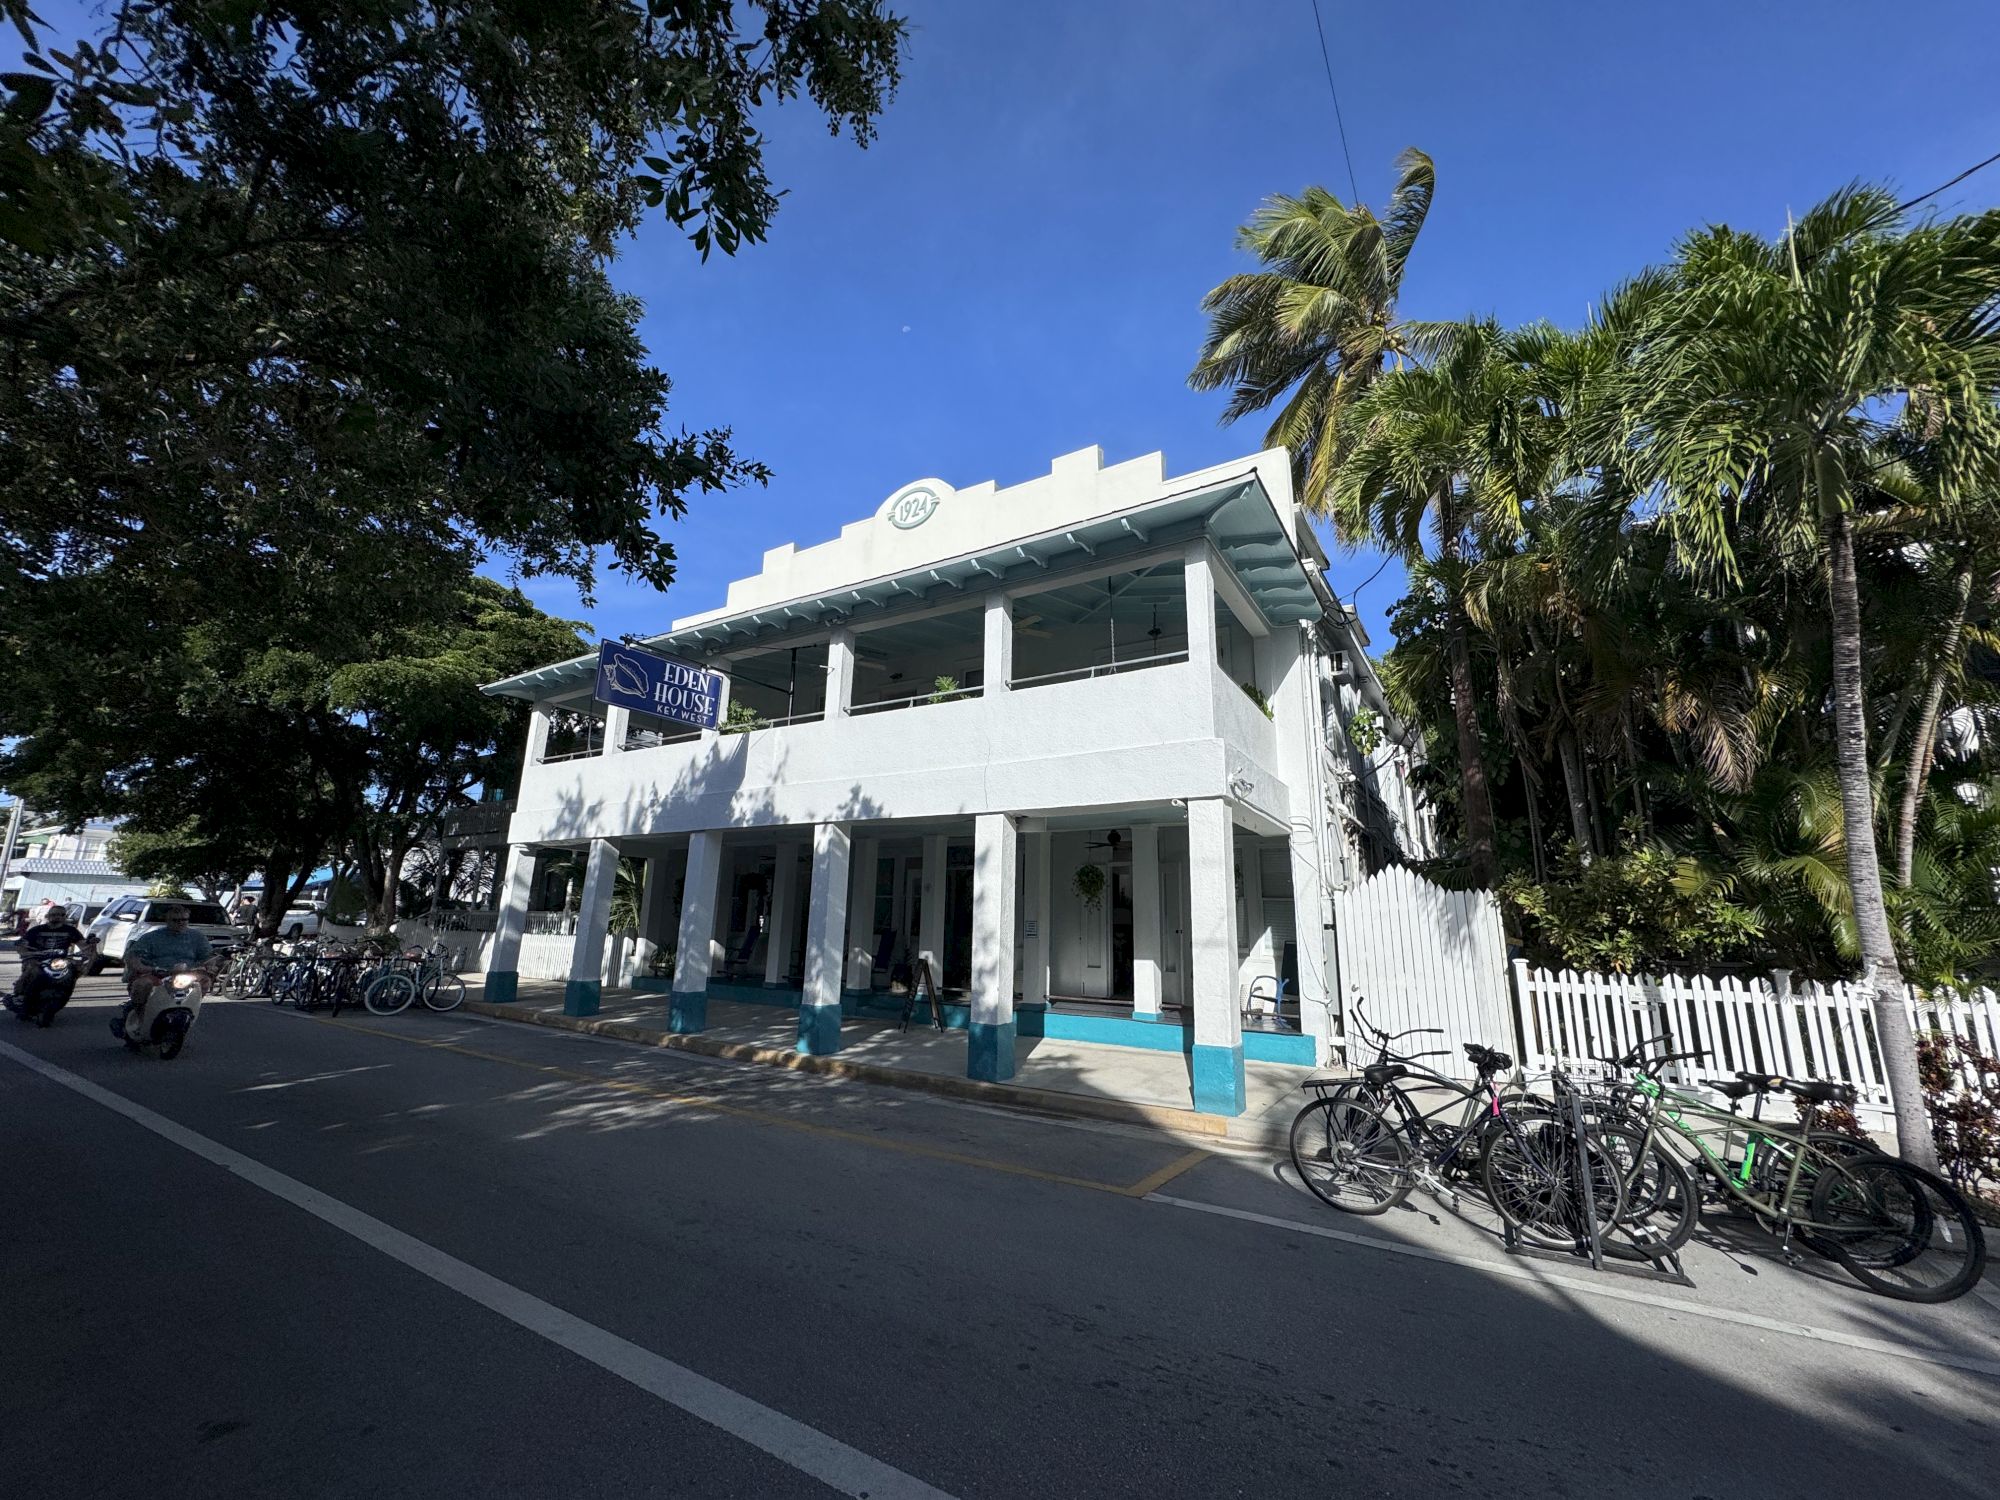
1088, 883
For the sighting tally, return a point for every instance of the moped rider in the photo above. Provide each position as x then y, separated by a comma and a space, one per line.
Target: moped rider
54, 933
150, 957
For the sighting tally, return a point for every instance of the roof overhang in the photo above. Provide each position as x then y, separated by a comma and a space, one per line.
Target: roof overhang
1235, 513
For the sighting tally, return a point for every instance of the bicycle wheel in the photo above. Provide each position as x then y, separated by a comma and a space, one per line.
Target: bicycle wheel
1900, 1231
1662, 1199
444, 992
1531, 1174
389, 992
1350, 1156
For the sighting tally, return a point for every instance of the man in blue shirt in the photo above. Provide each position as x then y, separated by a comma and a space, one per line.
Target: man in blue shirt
153, 955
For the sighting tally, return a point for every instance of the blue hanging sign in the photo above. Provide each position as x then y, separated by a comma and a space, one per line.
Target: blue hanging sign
630, 678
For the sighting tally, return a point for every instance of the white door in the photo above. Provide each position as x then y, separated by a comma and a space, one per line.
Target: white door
1175, 959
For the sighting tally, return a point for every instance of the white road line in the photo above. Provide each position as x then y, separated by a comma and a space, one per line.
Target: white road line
1594, 1289
807, 1449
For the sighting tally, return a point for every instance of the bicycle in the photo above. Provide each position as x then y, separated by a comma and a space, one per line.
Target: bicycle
1900, 1231
1364, 1143
419, 974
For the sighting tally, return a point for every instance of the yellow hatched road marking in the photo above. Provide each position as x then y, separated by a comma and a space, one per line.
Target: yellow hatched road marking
1152, 1182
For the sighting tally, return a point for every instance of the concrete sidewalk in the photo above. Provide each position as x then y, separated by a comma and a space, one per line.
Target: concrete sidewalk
1079, 1079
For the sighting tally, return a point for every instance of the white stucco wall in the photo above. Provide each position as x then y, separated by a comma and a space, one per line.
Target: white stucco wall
1147, 736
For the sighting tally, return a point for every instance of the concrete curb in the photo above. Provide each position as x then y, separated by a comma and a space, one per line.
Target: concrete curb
1206, 1130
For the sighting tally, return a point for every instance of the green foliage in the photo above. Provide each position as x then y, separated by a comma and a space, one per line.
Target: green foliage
168, 890
1626, 914
1317, 322
742, 718
179, 857
1088, 883
1256, 696
1364, 731
217, 299
946, 690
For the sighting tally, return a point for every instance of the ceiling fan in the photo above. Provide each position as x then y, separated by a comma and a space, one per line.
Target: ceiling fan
1111, 841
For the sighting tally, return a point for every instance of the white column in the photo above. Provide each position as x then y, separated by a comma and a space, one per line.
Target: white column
1295, 710
998, 661
990, 1045
593, 914
1035, 930
839, 673
1199, 577
652, 903
778, 932
516, 886
826, 935
616, 722
692, 959
1147, 977
720, 667
1218, 1023
539, 722
930, 920
861, 913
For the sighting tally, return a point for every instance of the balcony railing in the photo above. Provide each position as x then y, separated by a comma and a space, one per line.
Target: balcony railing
914, 699
1106, 669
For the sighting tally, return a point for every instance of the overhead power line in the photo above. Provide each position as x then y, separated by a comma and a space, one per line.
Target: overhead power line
1976, 167
1320, 26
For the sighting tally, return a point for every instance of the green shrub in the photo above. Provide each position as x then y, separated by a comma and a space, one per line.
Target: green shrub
1627, 913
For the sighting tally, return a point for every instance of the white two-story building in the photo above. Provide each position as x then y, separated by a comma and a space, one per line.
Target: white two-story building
1074, 748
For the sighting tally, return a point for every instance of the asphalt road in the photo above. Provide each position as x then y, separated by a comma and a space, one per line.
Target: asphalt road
439, 1256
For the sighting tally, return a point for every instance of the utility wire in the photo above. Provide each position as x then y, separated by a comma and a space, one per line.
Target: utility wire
1905, 207
1353, 186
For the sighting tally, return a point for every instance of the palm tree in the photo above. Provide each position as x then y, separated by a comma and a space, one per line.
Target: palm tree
1767, 381
1319, 322
1449, 447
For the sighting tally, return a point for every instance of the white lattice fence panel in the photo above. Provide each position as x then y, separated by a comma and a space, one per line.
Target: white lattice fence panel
1415, 954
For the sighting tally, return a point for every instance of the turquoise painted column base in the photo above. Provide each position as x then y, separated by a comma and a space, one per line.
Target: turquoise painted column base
580, 997
687, 1011
503, 986
989, 1051
1218, 1080
819, 1029
1145, 1015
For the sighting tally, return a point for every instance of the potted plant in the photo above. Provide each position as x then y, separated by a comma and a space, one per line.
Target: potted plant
1088, 883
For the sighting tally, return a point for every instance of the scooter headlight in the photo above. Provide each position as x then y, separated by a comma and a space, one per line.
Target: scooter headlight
183, 981
58, 966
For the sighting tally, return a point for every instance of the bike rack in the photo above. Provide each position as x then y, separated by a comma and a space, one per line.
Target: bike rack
1595, 1241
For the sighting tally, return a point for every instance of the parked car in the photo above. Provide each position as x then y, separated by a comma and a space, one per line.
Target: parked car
127, 917
301, 921
83, 913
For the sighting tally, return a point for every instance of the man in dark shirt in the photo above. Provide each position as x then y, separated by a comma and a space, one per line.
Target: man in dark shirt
53, 934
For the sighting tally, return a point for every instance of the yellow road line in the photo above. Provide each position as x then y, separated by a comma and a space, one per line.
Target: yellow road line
1167, 1174
1150, 1183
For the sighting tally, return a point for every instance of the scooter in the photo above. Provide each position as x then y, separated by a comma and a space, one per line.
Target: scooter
168, 1012
46, 983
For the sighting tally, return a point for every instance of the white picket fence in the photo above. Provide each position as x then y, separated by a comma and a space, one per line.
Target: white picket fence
1803, 1030
1414, 954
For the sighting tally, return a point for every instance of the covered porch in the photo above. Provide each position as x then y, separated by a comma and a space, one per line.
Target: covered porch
1075, 927
1080, 1077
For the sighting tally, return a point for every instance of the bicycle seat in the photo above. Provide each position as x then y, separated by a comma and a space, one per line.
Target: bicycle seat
1378, 1074
1815, 1092
1488, 1059
1740, 1087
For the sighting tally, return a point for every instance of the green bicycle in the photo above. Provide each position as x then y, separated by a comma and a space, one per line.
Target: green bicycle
1900, 1231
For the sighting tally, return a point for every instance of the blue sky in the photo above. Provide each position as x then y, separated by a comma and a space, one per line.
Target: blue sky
1014, 269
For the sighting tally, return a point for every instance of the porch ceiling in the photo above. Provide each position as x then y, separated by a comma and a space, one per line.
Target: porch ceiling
1236, 514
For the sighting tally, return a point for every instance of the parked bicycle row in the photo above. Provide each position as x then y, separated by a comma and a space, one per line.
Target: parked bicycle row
371, 974
1631, 1163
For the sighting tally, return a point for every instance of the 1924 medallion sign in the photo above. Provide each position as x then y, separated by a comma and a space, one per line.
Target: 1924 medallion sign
645, 683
